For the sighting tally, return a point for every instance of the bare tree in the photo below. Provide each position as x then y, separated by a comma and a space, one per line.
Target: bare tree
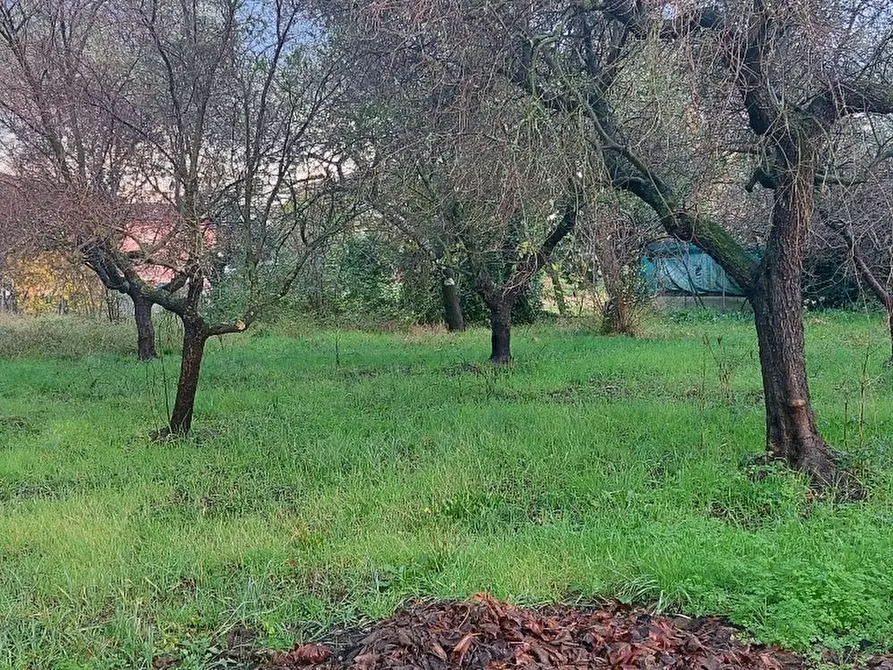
506, 215
465, 165
54, 139
766, 84
857, 206
614, 234
792, 89
406, 201
450, 224
224, 104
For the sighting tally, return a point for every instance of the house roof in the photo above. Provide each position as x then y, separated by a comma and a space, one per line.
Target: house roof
157, 231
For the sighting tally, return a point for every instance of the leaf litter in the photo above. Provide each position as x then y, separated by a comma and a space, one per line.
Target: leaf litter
493, 635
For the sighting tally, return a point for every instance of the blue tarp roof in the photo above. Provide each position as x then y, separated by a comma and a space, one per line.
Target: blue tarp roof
681, 268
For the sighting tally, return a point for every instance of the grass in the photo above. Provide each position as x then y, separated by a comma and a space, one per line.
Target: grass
334, 475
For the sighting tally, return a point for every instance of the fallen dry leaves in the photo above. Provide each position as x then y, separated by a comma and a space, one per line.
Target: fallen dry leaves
489, 634
486, 633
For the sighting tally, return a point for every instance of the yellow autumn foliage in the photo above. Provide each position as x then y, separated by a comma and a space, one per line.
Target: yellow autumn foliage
50, 283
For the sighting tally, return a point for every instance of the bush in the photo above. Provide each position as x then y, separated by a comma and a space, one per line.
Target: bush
365, 279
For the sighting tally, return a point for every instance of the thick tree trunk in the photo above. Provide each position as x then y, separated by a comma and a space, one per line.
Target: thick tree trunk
145, 330
777, 301
791, 432
194, 338
452, 307
501, 330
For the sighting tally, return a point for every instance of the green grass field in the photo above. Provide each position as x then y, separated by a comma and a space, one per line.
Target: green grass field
333, 475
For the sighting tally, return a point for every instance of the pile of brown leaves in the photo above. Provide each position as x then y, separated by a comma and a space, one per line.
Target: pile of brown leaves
485, 633
488, 634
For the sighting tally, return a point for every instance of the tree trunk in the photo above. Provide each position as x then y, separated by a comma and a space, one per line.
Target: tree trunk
194, 338
557, 289
145, 331
113, 304
777, 301
791, 432
501, 330
617, 312
615, 316
452, 307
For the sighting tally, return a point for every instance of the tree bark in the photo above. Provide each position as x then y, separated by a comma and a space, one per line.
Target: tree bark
145, 330
113, 306
887, 302
791, 432
617, 312
776, 297
194, 338
616, 316
501, 330
452, 307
